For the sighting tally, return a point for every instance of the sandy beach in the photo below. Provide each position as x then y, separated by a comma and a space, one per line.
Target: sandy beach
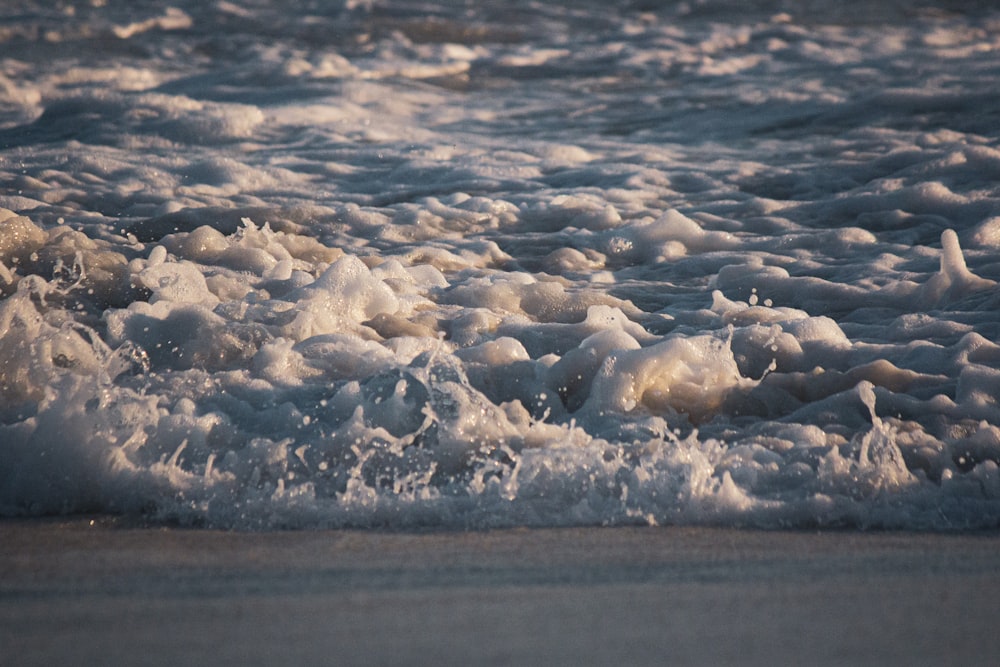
93, 592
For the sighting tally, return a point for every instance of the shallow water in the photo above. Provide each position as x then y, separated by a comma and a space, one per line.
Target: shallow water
437, 264
93, 591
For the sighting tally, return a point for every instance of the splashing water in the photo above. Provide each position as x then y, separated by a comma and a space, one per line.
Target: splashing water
368, 266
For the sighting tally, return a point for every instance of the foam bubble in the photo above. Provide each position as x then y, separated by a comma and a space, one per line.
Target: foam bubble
378, 270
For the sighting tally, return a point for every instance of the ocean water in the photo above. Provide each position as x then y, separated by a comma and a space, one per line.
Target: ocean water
464, 264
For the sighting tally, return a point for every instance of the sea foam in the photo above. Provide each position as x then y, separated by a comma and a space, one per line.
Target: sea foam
594, 265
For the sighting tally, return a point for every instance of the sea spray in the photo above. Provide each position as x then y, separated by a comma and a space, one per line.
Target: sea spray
614, 265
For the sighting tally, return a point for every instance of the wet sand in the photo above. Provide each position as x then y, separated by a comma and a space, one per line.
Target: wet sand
76, 592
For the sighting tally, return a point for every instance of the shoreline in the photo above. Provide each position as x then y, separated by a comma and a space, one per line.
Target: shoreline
679, 595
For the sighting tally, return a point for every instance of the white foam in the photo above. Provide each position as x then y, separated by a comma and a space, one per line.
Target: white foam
596, 266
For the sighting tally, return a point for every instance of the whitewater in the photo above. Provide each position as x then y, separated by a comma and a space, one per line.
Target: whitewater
468, 265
